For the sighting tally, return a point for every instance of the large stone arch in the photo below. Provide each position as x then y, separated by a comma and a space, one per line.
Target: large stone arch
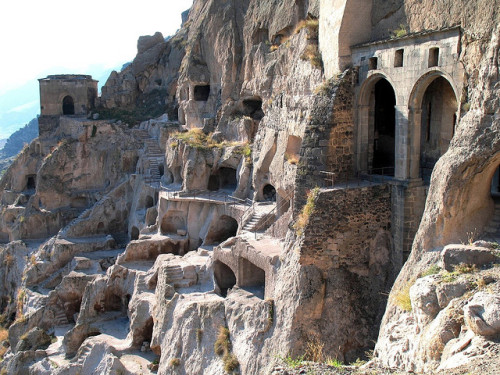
417, 115
366, 120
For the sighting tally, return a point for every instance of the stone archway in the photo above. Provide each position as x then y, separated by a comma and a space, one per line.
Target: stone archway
224, 277
376, 141
68, 105
433, 117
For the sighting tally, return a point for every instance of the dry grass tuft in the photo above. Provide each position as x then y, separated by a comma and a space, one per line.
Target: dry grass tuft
312, 54
307, 211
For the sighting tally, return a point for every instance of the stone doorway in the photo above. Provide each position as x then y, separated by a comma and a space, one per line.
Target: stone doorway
68, 106
438, 119
269, 193
384, 128
225, 278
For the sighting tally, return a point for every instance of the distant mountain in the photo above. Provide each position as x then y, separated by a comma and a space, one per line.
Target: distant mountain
18, 139
2, 143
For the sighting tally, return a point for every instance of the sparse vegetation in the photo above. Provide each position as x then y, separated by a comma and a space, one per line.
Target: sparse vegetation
334, 362
312, 54
314, 351
222, 347
400, 31
293, 362
307, 211
402, 297
312, 25
175, 362
432, 270
199, 335
292, 158
198, 139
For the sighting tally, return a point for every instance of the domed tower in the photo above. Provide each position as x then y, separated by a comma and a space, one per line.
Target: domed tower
65, 95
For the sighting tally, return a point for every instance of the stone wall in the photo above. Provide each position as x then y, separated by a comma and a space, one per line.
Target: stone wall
328, 138
348, 240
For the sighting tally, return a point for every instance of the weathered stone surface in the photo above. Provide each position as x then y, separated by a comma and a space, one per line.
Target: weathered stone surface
453, 255
482, 314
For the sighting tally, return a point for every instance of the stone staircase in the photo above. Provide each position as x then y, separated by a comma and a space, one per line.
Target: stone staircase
82, 354
492, 230
153, 155
253, 224
60, 318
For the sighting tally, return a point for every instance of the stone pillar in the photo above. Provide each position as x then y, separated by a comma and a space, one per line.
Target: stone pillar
415, 121
402, 153
362, 143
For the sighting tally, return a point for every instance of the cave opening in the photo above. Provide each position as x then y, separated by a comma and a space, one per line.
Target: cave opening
222, 229
253, 108
269, 193
201, 93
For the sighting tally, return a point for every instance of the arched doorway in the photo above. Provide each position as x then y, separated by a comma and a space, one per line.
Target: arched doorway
376, 128
438, 119
224, 277
68, 106
384, 128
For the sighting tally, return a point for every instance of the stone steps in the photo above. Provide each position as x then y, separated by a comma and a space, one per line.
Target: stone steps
83, 352
60, 318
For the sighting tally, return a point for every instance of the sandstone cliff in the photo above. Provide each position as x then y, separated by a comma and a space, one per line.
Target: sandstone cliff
241, 223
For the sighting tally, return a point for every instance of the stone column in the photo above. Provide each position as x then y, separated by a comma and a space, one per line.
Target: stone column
363, 138
415, 125
402, 153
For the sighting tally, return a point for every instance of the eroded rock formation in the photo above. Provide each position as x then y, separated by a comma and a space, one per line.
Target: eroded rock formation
267, 212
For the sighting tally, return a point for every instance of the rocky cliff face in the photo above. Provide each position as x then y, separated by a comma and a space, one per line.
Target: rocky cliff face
459, 203
196, 242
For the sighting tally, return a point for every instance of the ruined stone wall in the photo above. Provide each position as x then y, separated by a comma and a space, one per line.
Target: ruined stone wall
348, 242
328, 139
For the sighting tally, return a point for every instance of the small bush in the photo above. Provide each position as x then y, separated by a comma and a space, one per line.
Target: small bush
4, 334
175, 362
292, 158
464, 268
222, 344
8, 260
307, 211
400, 31
230, 362
312, 25
314, 351
312, 54
402, 298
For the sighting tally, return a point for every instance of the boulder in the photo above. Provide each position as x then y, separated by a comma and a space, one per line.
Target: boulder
482, 314
424, 300
453, 255
34, 339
